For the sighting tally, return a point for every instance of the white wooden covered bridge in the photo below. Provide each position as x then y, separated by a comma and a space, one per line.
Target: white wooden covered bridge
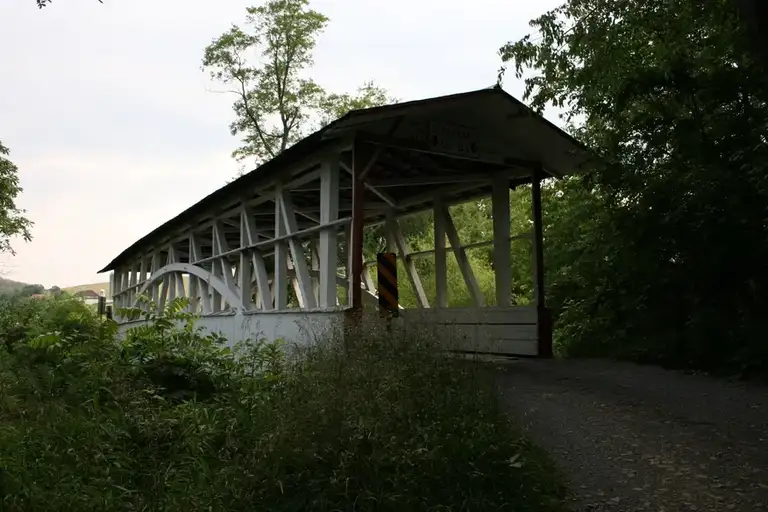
294, 226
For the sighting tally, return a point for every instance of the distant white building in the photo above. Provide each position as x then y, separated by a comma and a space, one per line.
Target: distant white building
88, 296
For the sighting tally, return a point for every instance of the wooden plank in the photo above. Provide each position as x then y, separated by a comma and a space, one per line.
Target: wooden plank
493, 339
490, 315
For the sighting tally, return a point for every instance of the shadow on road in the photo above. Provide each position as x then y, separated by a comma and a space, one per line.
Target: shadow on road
630, 437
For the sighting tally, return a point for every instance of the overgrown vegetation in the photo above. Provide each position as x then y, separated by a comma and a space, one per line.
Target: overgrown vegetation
659, 255
170, 418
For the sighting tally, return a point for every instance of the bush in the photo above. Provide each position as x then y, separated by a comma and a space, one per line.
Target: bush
169, 418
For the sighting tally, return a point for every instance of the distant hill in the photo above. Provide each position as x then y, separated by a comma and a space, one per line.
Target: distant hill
10, 287
96, 287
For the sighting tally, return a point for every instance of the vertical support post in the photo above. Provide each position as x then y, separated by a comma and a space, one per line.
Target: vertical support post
165, 291
358, 212
329, 247
142, 271
314, 258
156, 286
194, 294
120, 278
544, 320
112, 286
280, 275
171, 278
502, 261
348, 262
216, 271
133, 281
441, 264
244, 271
201, 287
113, 290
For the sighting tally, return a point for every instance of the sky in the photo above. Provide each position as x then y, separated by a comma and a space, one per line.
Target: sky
116, 129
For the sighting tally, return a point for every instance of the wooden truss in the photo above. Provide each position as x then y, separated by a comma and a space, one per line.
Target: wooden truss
275, 250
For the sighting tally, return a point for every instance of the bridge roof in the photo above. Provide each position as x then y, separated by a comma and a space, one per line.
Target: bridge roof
504, 134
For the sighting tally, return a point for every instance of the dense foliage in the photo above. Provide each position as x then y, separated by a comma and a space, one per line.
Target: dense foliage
659, 254
13, 223
169, 418
10, 288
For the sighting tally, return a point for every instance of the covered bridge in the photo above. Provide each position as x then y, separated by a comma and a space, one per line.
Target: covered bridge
294, 226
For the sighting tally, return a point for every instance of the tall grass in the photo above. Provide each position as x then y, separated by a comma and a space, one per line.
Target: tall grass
171, 419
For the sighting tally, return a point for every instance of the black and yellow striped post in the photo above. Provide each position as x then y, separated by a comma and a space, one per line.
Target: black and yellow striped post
387, 280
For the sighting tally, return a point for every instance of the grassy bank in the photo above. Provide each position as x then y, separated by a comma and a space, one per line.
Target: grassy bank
170, 419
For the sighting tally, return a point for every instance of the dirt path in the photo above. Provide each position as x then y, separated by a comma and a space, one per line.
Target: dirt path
630, 437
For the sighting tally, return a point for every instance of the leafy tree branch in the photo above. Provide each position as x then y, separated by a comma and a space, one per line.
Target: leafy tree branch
266, 63
12, 220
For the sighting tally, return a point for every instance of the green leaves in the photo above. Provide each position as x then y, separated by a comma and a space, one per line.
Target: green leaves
334, 106
12, 220
650, 254
265, 66
272, 97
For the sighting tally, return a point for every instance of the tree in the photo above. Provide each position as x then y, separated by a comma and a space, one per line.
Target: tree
265, 65
12, 220
658, 253
333, 106
43, 3
755, 16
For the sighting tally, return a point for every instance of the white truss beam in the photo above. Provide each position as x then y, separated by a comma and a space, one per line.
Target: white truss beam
393, 226
304, 292
201, 290
249, 237
281, 256
222, 267
461, 255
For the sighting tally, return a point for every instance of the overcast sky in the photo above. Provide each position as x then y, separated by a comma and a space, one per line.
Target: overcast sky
114, 128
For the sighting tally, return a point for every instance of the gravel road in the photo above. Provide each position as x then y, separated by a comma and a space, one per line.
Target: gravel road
629, 437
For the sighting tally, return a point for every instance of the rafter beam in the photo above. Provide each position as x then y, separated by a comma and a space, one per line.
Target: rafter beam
381, 195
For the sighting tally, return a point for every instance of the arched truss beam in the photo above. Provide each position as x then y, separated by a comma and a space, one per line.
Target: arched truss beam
232, 296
